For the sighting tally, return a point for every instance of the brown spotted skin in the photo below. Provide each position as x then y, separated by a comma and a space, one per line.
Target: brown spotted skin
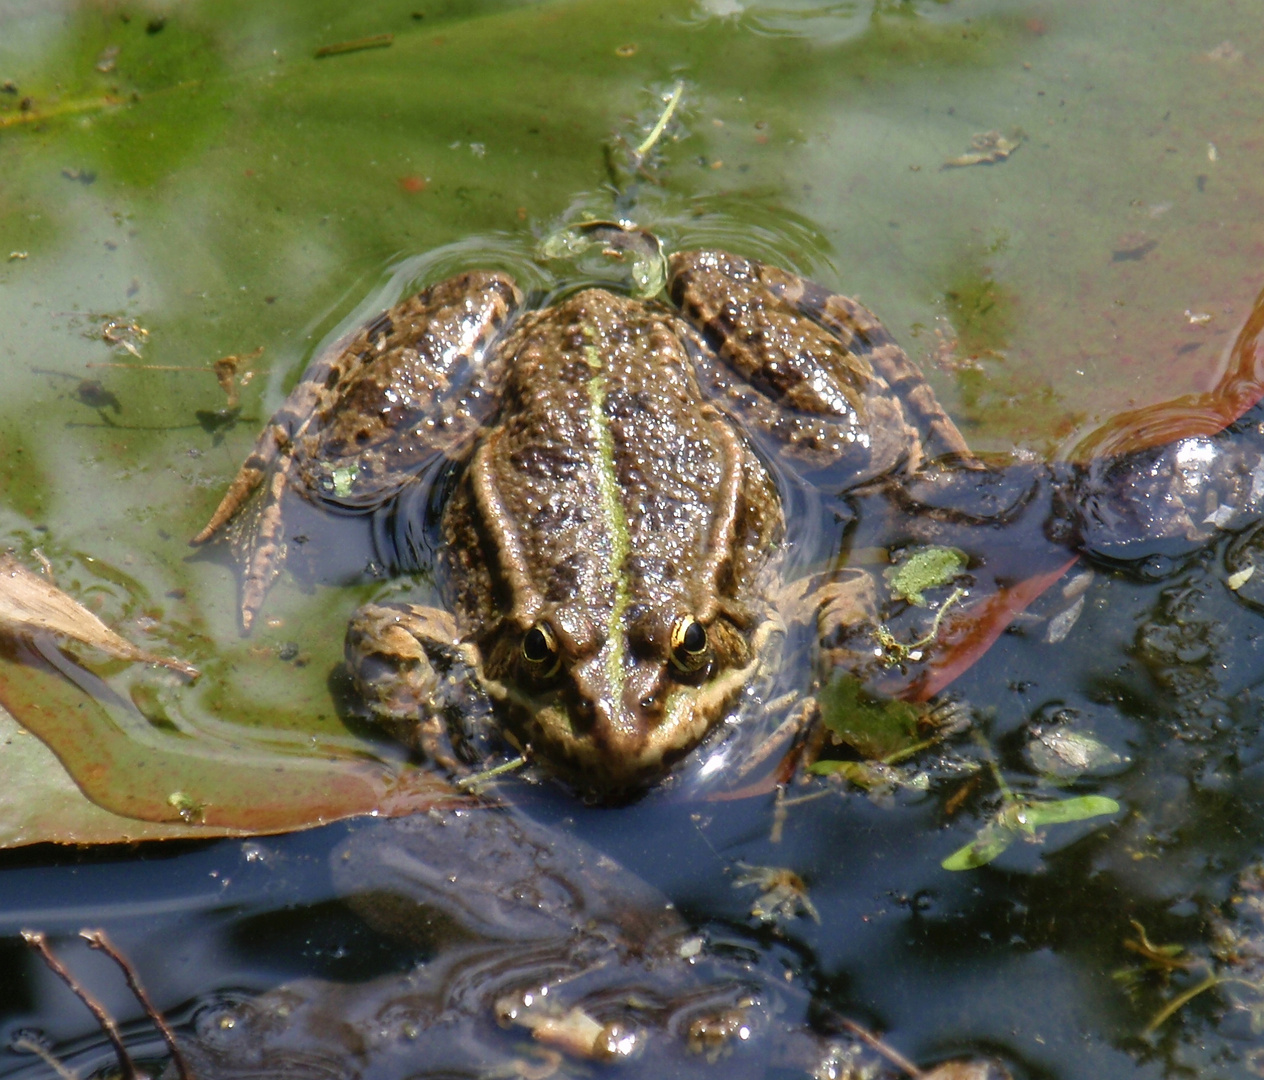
608, 501
608, 498
416, 382
813, 369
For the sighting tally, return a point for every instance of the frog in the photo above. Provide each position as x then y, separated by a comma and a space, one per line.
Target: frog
611, 555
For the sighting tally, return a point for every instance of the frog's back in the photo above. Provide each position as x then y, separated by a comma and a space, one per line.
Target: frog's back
606, 476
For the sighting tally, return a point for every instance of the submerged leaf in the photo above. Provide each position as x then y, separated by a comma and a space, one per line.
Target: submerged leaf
991, 841
922, 569
29, 604
876, 728
1063, 754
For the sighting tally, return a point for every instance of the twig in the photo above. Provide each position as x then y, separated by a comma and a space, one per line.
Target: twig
477, 780
30, 1046
890, 1053
39, 943
377, 41
656, 131
1179, 1002
97, 940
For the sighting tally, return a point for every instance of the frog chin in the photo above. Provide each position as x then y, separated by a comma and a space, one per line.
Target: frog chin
612, 749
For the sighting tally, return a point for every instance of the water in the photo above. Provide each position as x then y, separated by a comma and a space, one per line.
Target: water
222, 189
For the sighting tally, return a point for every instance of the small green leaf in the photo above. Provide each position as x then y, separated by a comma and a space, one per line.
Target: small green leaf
1020, 815
863, 774
993, 839
922, 569
1038, 814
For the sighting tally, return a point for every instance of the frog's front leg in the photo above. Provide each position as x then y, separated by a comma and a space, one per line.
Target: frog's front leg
812, 369
411, 672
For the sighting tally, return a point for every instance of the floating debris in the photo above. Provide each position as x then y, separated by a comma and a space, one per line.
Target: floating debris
29, 604
128, 336
377, 41
108, 58
783, 894
1237, 580
227, 369
1061, 624
1225, 53
986, 148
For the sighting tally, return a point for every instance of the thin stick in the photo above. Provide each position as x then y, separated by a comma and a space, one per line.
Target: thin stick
39, 943
657, 130
477, 780
377, 41
30, 1046
892, 1055
98, 940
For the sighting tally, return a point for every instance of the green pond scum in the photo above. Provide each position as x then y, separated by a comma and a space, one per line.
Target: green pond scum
1073, 891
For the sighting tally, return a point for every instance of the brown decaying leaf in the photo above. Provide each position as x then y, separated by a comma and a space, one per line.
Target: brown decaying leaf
29, 604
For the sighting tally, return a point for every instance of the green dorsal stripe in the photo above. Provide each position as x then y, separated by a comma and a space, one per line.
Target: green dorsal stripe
612, 512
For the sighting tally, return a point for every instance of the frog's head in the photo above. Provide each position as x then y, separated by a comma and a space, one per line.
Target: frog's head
611, 704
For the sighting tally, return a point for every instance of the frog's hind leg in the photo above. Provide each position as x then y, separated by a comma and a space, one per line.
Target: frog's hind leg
288, 424
852, 323
248, 477
256, 537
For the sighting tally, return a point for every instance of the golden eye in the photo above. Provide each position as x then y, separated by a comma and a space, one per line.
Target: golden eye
688, 643
540, 651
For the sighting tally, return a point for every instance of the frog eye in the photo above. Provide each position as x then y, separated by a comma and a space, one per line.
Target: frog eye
688, 643
540, 651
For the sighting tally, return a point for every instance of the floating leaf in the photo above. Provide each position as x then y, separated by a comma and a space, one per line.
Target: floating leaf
922, 569
184, 786
1038, 814
1024, 816
991, 841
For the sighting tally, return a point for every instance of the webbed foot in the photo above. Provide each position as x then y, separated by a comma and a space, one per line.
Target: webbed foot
410, 669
